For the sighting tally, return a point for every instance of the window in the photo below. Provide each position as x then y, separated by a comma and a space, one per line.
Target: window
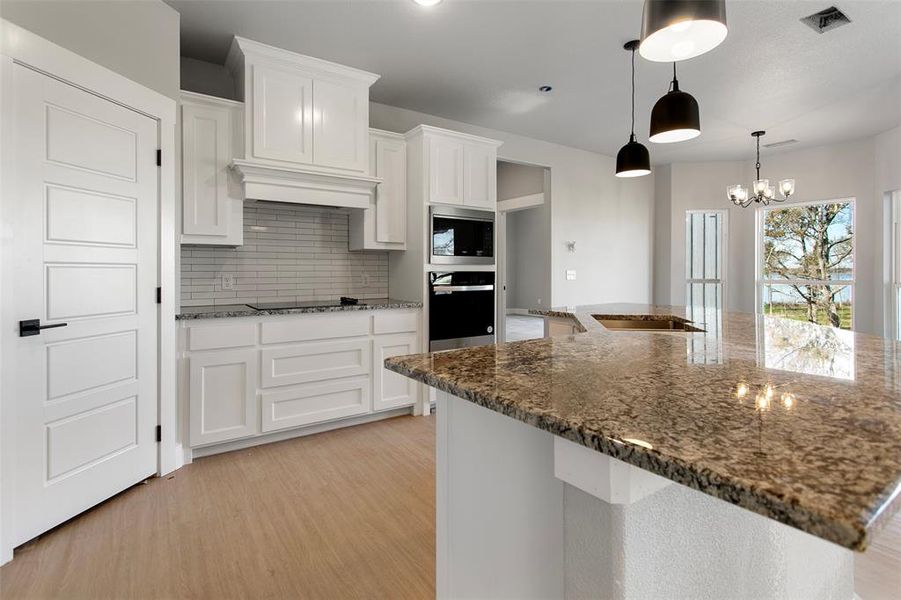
705, 233
806, 262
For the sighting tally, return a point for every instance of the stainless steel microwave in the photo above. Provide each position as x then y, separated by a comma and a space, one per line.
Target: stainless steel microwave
460, 236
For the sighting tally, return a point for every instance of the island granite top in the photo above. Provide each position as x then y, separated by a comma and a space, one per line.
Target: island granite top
314, 306
794, 421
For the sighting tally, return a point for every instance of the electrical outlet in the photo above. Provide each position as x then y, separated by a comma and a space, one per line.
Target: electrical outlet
228, 281
365, 279
570, 275
539, 301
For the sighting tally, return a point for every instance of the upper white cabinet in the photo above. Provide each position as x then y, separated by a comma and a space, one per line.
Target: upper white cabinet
457, 168
383, 226
282, 116
212, 206
302, 111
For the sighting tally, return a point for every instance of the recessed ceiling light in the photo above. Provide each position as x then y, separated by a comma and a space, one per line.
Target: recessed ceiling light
545, 89
426, 2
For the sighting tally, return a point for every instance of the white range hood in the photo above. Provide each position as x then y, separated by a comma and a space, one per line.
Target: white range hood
262, 181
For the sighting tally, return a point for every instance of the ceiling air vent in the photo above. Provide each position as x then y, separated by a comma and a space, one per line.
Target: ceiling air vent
826, 20
782, 143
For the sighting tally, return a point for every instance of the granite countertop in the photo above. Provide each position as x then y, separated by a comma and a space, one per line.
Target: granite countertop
796, 422
315, 306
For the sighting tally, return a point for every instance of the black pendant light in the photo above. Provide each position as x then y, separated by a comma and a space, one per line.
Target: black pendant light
681, 29
632, 160
675, 117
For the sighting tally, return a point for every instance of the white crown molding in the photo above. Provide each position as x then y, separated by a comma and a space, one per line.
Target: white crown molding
243, 50
421, 130
265, 182
198, 98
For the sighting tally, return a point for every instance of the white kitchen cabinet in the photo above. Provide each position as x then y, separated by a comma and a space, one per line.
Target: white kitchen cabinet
315, 403
391, 390
446, 170
480, 176
281, 118
212, 207
302, 111
245, 377
222, 389
383, 226
458, 169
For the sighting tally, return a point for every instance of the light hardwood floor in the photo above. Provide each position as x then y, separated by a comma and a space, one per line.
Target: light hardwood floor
344, 514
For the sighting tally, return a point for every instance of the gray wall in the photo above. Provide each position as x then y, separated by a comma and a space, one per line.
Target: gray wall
135, 38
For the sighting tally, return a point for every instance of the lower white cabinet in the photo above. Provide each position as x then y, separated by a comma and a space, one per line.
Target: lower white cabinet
314, 403
390, 389
223, 390
249, 376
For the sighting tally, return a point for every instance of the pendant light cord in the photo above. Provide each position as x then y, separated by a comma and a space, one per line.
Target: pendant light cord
758, 157
632, 135
674, 84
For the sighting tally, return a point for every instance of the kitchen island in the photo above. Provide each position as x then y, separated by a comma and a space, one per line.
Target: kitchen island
784, 439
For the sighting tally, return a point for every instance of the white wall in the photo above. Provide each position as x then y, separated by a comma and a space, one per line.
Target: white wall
137, 38
609, 218
837, 171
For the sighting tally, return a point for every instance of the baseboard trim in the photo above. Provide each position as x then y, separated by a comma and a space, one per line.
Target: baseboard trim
280, 436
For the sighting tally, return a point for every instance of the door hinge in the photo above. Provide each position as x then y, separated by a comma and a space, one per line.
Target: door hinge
159, 295
159, 433
159, 158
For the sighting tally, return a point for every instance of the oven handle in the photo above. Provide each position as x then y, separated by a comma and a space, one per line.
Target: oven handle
462, 288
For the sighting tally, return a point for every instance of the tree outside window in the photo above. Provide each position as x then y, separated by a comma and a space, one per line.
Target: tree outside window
808, 263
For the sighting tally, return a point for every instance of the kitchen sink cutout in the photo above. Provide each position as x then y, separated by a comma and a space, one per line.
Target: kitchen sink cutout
657, 323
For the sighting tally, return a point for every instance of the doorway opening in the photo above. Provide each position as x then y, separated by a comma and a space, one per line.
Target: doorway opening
523, 249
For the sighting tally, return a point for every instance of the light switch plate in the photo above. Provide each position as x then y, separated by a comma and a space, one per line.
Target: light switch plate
570, 275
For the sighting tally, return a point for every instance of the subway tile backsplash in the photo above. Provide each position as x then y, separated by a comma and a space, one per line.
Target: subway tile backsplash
290, 252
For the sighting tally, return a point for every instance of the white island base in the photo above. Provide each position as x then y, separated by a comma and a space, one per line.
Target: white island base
522, 513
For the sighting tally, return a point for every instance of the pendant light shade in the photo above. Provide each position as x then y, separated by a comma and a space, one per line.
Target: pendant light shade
673, 30
633, 159
675, 117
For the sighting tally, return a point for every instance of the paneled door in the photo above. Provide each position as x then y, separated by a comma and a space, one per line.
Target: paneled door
84, 231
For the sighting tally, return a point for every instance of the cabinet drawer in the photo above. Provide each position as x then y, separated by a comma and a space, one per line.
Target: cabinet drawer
222, 396
396, 322
315, 362
315, 327
314, 403
210, 337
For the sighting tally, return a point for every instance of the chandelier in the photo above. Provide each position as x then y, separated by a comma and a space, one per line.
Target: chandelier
761, 190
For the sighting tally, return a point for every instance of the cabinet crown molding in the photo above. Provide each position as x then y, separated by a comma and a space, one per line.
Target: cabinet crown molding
244, 49
420, 130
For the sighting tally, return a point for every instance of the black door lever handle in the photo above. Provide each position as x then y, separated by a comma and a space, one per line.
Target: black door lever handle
33, 327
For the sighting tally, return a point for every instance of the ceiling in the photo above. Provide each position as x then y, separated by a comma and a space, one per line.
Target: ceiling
481, 62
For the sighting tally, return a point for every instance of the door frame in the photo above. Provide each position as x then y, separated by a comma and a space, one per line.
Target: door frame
500, 254
19, 46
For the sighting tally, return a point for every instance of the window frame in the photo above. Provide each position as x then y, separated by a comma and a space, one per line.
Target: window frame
895, 283
761, 283
723, 252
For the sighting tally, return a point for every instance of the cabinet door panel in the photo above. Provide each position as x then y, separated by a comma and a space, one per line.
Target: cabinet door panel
315, 362
391, 194
206, 133
222, 396
282, 115
391, 390
445, 171
314, 403
340, 126
480, 173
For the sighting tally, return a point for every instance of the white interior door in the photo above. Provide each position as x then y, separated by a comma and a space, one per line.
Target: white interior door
84, 237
